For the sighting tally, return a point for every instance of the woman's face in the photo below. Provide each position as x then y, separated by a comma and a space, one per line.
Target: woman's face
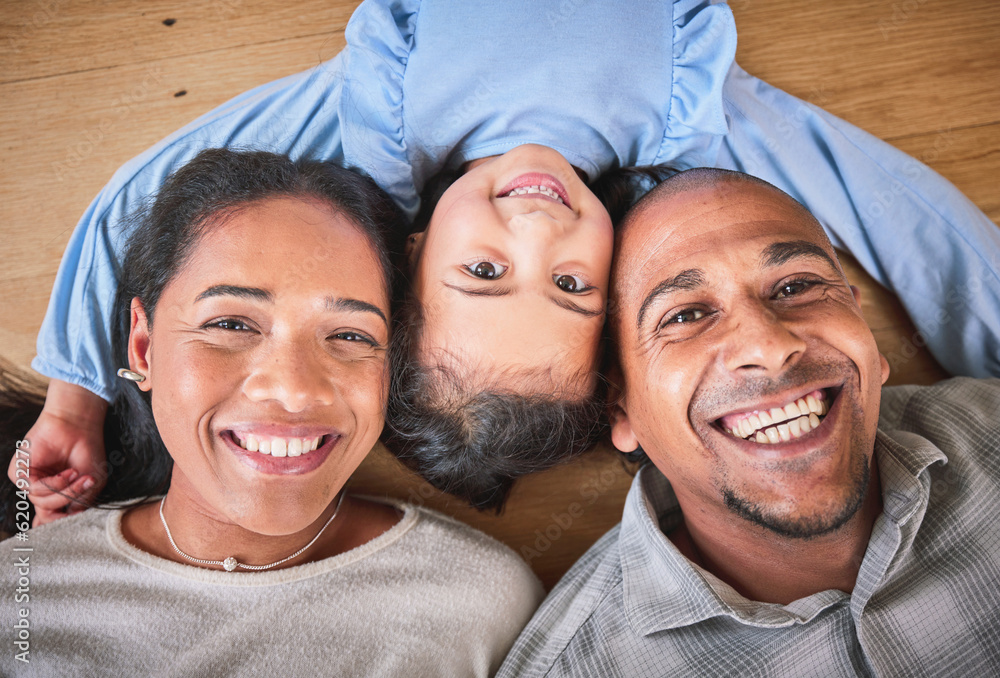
266, 361
512, 272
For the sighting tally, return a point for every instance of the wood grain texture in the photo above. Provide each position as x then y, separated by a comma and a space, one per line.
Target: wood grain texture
85, 86
55, 37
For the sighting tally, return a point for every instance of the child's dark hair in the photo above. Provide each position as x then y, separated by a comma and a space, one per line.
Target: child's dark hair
214, 185
475, 442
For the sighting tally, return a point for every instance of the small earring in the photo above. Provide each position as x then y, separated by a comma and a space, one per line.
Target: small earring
413, 238
126, 373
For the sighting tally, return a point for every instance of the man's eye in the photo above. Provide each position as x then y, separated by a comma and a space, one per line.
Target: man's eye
487, 270
790, 289
686, 316
230, 324
571, 283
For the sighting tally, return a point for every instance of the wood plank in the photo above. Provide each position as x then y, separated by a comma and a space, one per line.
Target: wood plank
969, 158
892, 67
56, 163
52, 37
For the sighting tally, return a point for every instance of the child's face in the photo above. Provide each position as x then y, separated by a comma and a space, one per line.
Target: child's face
513, 278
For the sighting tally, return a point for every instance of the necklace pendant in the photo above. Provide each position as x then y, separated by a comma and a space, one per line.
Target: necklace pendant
229, 564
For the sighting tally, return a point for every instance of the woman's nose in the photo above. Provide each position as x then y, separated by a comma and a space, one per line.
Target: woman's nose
292, 375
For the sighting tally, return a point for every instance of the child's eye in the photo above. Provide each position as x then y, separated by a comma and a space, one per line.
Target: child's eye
487, 270
573, 284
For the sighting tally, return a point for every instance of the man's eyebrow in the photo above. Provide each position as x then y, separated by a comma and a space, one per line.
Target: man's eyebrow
778, 253
491, 291
348, 304
235, 291
685, 280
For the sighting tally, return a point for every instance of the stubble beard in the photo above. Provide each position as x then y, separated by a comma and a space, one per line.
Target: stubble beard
805, 526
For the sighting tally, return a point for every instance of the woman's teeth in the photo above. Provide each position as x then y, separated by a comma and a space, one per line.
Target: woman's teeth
544, 190
278, 447
779, 424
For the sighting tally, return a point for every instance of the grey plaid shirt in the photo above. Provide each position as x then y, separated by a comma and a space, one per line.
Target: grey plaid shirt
926, 602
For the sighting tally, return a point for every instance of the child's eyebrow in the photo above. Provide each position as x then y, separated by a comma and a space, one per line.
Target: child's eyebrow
492, 291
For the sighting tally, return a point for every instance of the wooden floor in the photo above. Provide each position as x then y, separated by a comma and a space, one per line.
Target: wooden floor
85, 86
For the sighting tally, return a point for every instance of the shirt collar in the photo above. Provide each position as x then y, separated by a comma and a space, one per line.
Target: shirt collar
662, 589
902, 458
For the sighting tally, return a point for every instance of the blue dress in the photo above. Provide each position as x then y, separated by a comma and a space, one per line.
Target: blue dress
428, 84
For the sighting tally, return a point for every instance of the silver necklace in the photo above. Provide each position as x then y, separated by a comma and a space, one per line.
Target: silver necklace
230, 563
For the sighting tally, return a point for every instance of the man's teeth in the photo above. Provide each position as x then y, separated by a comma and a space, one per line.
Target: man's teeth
781, 424
544, 190
278, 447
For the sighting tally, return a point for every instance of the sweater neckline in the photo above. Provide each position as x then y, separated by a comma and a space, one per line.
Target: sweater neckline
113, 530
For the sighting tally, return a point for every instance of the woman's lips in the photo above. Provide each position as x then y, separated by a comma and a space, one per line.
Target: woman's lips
536, 185
282, 463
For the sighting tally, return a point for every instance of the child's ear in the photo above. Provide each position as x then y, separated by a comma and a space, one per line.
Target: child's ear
622, 436
414, 246
139, 344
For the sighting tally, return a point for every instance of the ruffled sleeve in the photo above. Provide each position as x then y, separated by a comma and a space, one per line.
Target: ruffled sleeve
704, 48
379, 37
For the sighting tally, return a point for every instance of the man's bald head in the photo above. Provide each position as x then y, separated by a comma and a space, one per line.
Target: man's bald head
658, 211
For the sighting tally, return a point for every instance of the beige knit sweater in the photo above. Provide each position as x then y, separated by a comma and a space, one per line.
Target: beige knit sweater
430, 597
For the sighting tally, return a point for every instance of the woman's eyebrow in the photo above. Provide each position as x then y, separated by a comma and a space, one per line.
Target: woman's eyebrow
235, 291
348, 304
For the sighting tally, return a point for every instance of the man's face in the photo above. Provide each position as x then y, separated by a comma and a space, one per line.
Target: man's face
750, 377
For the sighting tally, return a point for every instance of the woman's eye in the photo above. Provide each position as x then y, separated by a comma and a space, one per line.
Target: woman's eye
356, 337
686, 316
487, 270
571, 283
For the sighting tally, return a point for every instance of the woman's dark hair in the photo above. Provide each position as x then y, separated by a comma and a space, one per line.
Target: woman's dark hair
474, 442
214, 185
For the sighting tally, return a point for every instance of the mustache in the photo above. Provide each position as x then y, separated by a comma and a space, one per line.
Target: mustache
750, 389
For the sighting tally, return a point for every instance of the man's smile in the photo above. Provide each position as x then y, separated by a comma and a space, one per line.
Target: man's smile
773, 425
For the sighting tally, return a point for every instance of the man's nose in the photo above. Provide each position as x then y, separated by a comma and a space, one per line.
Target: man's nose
760, 341
291, 374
